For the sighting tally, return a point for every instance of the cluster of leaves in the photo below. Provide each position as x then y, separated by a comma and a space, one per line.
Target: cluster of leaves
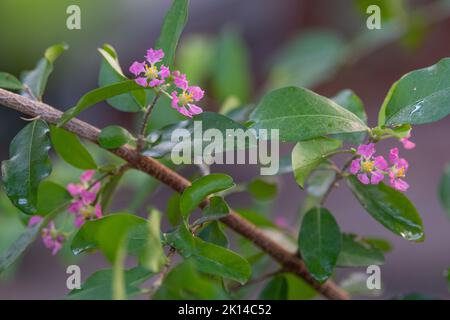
318, 126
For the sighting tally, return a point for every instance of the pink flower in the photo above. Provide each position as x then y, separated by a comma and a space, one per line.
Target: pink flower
84, 196
137, 68
154, 56
281, 222
180, 80
183, 101
407, 144
148, 75
368, 169
34, 220
398, 171
52, 238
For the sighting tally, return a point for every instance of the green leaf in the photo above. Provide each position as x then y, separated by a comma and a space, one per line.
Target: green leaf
9, 82
213, 232
98, 95
298, 289
319, 181
107, 233
113, 137
173, 209
275, 289
350, 101
98, 285
381, 244
356, 252
50, 197
208, 257
110, 73
171, 30
307, 155
201, 188
419, 97
28, 165
444, 189
154, 258
108, 190
18, 247
307, 60
355, 284
262, 190
320, 243
301, 114
215, 210
161, 141
70, 149
36, 79
184, 283
389, 207
119, 291
232, 76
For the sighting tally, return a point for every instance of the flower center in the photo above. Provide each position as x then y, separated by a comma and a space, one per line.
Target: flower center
185, 98
367, 166
151, 72
400, 172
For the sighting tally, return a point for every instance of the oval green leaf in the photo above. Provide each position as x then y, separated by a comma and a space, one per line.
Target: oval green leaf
307, 155
28, 165
419, 97
356, 252
9, 82
107, 233
319, 243
389, 207
70, 149
113, 137
201, 188
301, 114
171, 30
98, 95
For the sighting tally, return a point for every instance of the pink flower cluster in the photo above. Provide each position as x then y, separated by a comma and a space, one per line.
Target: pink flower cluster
371, 169
149, 74
85, 194
82, 206
53, 238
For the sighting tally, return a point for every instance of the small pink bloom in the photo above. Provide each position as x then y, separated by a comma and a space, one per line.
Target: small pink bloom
398, 170
75, 206
363, 178
34, 220
367, 168
180, 80
87, 176
141, 81
193, 109
88, 196
52, 238
184, 112
196, 92
164, 72
407, 144
155, 82
366, 150
154, 56
355, 166
98, 211
137, 68
74, 189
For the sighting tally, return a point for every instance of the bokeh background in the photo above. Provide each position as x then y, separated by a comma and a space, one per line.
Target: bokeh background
322, 44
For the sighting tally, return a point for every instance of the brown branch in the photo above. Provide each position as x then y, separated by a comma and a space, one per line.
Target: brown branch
288, 260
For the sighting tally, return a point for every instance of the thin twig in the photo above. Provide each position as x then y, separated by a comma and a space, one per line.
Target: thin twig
158, 282
143, 129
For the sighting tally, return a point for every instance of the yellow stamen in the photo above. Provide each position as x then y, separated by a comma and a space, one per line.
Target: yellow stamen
185, 98
367, 166
151, 72
401, 172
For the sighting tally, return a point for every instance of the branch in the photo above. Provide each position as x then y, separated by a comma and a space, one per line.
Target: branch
288, 260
